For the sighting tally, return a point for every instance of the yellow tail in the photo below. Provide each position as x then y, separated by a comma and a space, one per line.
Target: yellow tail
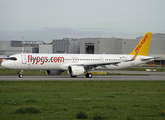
143, 46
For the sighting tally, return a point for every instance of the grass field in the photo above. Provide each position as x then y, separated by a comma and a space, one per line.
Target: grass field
63, 100
16, 72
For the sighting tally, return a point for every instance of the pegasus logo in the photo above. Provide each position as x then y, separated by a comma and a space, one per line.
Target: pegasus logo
141, 43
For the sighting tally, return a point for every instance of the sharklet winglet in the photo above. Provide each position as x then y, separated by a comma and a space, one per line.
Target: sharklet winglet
134, 57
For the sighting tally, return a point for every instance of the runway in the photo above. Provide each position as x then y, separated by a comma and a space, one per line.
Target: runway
82, 78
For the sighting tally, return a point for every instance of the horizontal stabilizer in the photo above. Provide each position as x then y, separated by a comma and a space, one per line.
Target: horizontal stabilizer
147, 59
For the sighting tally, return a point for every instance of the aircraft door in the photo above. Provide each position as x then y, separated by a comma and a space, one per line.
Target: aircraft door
23, 57
101, 59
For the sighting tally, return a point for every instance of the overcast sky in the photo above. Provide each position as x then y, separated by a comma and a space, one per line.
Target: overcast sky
55, 19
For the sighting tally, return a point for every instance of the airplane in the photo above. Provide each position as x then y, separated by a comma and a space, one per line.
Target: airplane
78, 64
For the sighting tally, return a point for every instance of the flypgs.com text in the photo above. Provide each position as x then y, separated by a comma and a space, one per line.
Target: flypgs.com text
141, 43
42, 60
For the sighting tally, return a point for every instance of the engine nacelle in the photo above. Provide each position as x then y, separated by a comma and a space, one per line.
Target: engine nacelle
76, 70
54, 72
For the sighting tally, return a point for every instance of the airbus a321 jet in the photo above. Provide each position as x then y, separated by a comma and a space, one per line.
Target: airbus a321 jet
78, 64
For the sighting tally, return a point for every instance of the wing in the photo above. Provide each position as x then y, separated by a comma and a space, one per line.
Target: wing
88, 66
94, 65
101, 64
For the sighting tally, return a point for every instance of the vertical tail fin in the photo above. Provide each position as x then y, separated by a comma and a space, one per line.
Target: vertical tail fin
143, 46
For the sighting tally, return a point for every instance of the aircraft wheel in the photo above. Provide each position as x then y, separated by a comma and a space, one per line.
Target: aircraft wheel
88, 75
73, 76
20, 75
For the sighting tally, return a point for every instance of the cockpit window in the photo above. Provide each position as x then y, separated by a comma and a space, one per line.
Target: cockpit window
12, 58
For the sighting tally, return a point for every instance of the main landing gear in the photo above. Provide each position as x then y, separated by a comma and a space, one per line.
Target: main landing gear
89, 75
20, 74
73, 76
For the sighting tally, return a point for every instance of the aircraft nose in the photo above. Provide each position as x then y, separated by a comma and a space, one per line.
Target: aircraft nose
4, 64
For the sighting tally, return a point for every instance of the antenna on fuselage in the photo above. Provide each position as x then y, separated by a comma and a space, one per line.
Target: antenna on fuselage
23, 44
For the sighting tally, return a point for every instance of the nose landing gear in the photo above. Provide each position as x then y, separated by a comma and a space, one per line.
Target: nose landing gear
20, 74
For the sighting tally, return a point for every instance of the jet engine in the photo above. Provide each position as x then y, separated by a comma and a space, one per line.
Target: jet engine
54, 72
73, 71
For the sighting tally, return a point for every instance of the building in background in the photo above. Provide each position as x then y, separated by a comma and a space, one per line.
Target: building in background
45, 48
13, 47
66, 45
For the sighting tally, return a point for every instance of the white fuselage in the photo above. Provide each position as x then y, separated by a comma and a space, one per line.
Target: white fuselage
30, 61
